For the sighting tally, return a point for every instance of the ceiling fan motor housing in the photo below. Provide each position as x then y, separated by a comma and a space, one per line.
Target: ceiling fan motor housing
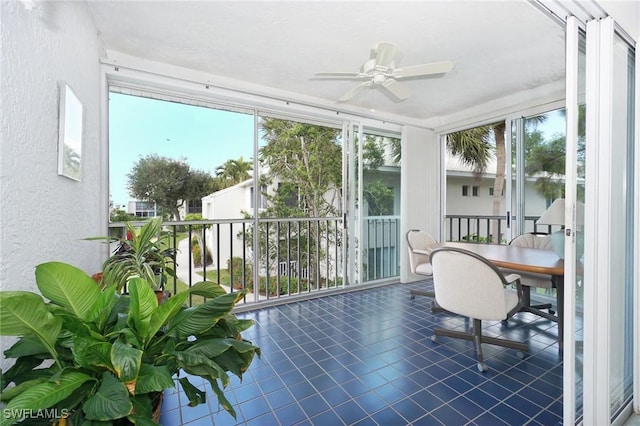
379, 78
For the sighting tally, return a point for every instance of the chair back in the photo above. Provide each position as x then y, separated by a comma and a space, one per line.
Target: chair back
419, 240
533, 240
467, 284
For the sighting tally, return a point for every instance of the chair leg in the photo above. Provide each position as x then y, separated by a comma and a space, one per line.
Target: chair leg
435, 308
477, 339
426, 293
536, 309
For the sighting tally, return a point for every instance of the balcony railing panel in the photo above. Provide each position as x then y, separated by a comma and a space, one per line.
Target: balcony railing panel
295, 256
380, 247
485, 228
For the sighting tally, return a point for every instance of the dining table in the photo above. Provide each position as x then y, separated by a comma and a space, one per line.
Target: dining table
524, 259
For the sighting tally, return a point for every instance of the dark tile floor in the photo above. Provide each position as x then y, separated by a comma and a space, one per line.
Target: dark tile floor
366, 358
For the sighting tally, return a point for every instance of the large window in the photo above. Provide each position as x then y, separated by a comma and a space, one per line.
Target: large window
476, 162
174, 154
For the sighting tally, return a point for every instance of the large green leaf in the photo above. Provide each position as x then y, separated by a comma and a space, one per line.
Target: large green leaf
165, 311
130, 337
201, 318
27, 345
215, 346
126, 361
230, 354
110, 402
141, 306
12, 392
44, 395
74, 401
20, 371
222, 400
237, 358
200, 365
207, 289
67, 286
70, 322
142, 411
91, 353
153, 378
25, 313
195, 395
101, 309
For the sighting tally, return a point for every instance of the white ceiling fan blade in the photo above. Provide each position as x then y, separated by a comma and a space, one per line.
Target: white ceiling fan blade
351, 93
385, 53
397, 89
345, 75
424, 69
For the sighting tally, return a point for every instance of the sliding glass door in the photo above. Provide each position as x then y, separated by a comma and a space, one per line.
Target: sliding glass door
606, 270
373, 176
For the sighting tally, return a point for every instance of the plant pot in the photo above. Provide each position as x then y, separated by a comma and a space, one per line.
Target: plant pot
157, 407
162, 295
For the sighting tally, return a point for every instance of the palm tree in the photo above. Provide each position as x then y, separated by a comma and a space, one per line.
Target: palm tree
474, 148
233, 172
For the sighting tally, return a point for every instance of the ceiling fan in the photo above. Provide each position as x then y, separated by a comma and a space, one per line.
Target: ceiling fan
380, 72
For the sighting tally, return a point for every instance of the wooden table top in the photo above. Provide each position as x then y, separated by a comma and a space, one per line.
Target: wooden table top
517, 258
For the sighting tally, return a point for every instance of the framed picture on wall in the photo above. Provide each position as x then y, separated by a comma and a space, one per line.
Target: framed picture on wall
70, 134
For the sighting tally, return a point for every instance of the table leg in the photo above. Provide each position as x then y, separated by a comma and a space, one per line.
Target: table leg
558, 280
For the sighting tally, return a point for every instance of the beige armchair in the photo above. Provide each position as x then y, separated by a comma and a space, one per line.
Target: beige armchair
420, 244
467, 284
530, 279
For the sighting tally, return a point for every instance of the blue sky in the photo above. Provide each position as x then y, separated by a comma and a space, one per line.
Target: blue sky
205, 137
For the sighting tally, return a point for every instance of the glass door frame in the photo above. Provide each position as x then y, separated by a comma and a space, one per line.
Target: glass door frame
601, 35
570, 380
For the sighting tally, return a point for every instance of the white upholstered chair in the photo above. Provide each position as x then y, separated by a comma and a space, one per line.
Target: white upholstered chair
531, 279
467, 284
420, 244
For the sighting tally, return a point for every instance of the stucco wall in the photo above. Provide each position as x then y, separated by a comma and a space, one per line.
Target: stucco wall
226, 204
44, 216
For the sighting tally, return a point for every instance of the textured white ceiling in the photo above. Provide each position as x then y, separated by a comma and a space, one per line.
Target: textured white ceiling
498, 47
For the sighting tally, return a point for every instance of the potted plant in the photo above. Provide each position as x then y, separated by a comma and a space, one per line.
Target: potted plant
141, 254
90, 354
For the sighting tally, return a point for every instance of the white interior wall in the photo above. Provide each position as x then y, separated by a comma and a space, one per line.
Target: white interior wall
43, 216
421, 171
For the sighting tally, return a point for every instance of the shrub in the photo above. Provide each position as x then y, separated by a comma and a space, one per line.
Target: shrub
196, 253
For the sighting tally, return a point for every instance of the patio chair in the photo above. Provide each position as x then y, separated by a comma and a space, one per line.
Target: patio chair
542, 241
467, 284
419, 244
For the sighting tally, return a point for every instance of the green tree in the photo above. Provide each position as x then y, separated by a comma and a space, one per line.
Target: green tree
545, 160
306, 161
233, 172
304, 164
379, 198
168, 182
377, 194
